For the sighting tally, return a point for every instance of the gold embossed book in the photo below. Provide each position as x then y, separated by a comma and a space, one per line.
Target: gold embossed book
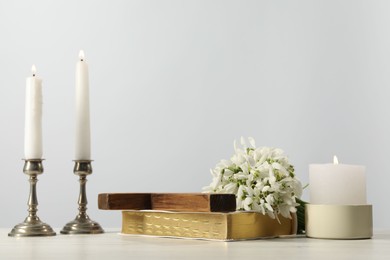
206, 225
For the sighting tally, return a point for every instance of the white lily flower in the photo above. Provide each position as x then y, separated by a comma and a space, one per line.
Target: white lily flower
271, 214
260, 186
249, 191
228, 173
240, 203
252, 142
231, 187
256, 192
215, 184
238, 159
297, 188
271, 171
288, 201
265, 189
244, 168
276, 165
256, 156
241, 176
293, 209
285, 211
268, 207
280, 168
263, 211
248, 203
225, 163
243, 143
251, 161
269, 199
277, 152
263, 156
272, 180
240, 192
256, 207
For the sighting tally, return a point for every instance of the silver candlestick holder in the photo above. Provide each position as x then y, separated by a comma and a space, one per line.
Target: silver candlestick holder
32, 225
82, 224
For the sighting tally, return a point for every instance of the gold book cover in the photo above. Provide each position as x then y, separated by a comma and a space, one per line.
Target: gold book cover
211, 225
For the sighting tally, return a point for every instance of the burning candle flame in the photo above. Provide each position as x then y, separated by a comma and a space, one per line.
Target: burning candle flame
335, 160
33, 70
81, 55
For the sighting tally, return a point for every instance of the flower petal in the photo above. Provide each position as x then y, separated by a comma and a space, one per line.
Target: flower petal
252, 142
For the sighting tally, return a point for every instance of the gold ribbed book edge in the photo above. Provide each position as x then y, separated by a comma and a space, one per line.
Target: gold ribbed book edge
216, 226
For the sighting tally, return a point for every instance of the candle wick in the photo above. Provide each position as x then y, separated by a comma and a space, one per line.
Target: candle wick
81, 59
33, 75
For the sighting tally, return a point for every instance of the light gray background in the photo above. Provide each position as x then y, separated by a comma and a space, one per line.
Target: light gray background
173, 83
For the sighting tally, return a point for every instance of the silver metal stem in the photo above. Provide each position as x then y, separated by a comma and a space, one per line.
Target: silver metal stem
82, 224
83, 198
32, 225
32, 199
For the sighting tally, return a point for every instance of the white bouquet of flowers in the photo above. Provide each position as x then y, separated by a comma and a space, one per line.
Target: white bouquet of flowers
262, 179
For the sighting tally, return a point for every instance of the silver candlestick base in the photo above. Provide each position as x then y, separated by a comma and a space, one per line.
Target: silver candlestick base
32, 225
82, 224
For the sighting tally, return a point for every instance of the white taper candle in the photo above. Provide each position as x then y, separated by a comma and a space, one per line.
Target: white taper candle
83, 132
33, 117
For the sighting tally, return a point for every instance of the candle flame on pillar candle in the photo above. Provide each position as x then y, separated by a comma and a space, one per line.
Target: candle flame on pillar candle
81, 55
335, 160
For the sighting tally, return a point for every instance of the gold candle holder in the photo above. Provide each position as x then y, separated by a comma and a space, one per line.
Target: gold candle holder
82, 224
32, 225
338, 221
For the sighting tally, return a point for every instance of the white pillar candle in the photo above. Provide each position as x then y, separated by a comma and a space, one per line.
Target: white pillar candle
33, 117
337, 184
83, 133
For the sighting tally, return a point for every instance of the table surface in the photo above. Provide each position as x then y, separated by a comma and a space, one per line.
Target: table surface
113, 245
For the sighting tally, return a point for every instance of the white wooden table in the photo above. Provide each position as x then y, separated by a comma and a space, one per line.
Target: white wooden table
114, 246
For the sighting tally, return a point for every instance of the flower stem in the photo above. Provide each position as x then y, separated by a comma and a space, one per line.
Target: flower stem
301, 216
